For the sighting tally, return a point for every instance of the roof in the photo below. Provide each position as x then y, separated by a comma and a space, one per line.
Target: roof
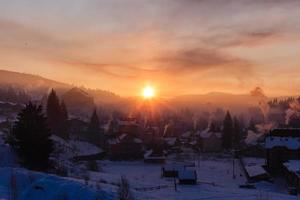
170, 140
283, 132
253, 138
127, 123
293, 166
208, 134
187, 175
288, 142
255, 170
149, 154
186, 134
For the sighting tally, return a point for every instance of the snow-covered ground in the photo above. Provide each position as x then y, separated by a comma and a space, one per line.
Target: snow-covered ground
18, 183
215, 177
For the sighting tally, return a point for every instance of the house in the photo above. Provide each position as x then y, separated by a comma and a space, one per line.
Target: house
281, 146
211, 141
254, 169
292, 173
128, 125
187, 177
171, 170
125, 147
172, 144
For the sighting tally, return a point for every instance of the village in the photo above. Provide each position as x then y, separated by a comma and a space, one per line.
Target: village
172, 161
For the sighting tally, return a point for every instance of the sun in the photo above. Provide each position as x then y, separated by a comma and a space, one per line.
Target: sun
148, 92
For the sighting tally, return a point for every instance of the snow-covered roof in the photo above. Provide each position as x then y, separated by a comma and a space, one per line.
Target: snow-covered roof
69, 149
252, 137
127, 123
293, 166
186, 134
208, 134
122, 136
149, 153
255, 170
187, 175
292, 143
137, 140
170, 140
113, 141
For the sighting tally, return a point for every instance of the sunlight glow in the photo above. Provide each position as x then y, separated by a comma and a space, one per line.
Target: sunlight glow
148, 92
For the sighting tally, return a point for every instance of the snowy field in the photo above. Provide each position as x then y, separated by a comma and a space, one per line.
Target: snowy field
215, 180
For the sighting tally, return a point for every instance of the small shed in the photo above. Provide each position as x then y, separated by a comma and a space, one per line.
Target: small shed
171, 170
256, 173
187, 177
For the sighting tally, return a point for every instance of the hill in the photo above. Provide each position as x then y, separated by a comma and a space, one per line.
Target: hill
37, 86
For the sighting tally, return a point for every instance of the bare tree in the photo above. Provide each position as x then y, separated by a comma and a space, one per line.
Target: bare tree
124, 190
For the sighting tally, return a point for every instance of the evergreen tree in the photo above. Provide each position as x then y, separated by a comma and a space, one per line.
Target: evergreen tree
53, 113
227, 131
31, 137
94, 126
57, 116
64, 111
236, 132
64, 128
95, 134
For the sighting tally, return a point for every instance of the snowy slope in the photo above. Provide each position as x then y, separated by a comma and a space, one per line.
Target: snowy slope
69, 149
17, 183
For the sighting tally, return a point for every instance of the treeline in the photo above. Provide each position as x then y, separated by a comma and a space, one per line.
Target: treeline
283, 103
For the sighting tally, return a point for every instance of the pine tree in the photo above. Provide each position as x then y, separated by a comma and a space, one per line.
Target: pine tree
227, 131
64, 128
236, 132
94, 126
57, 115
95, 134
31, 137
53, 113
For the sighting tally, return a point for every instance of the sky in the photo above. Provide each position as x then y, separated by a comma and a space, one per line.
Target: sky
178, 46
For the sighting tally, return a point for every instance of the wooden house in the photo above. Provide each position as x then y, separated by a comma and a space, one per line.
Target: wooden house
211, 141
281, 146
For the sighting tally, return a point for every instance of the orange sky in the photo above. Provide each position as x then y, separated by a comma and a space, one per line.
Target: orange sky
179, 46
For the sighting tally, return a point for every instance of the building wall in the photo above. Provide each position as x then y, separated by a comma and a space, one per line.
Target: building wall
211, 144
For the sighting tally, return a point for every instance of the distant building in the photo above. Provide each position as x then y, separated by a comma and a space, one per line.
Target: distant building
125, 147
171, 170
281, 146
211, 141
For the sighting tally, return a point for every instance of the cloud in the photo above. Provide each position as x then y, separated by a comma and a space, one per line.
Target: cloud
199, 59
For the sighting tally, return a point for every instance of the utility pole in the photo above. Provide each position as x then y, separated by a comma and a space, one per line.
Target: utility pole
175, 184
233, 165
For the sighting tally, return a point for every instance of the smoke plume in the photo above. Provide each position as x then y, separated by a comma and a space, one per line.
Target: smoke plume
293, 111
262, 102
